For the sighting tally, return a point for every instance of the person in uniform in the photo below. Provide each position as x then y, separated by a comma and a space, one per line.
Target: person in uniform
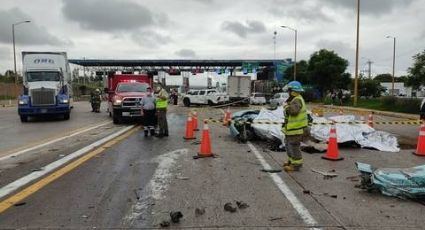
95, 100
161, 99
295, 127
148, 109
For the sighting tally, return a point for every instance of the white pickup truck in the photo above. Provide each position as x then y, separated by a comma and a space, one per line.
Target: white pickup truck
204, 97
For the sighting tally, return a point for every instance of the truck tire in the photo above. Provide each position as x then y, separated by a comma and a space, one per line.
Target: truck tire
186, 102
66, 116
24, 118
210, 103
115, 119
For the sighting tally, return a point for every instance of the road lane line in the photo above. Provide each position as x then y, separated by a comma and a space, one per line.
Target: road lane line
15, 154
156, 186
298, 206
85, 154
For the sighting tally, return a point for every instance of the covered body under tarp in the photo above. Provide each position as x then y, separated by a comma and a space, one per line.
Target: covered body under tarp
362, 134
397, 182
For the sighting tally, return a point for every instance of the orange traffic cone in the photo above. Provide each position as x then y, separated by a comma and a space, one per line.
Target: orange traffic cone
189, 129
332, 153
227, 117
205, 149
370, 120
195, 121
420, 148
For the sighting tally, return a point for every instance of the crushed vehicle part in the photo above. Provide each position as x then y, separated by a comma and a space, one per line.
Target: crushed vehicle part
360, 134
397, 182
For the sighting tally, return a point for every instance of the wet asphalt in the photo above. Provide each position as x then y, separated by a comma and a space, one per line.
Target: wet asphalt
137, 182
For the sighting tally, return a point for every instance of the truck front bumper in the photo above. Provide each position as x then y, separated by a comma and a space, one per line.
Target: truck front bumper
43, 110
127, 112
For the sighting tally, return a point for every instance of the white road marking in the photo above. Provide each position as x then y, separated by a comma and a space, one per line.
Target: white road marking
298, 206
15, 154
8, 189
156, 186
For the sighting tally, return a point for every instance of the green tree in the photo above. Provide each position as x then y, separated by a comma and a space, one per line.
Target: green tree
370, 88
303, 75
416, 76
384, 77
326, 69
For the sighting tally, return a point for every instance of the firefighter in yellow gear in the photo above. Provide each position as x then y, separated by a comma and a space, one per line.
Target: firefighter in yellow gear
296, 124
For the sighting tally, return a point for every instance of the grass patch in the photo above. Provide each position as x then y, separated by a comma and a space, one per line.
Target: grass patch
391, 104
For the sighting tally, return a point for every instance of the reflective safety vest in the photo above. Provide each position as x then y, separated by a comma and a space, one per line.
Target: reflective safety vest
161, 103
296, 124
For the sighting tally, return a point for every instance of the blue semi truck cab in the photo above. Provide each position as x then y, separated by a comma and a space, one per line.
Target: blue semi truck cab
47, 85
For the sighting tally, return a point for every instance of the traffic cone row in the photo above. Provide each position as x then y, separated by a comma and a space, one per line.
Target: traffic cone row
420, 148
191, 126
332, 153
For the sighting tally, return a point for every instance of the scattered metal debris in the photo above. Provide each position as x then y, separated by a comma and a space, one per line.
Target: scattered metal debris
275, 218
20, 204
165, 224
242, 205
175, 216
326, 175
229, 207
271, 170
199, 211
182, 178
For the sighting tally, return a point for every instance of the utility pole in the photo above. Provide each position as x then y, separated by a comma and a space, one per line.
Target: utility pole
356, 71
369, 63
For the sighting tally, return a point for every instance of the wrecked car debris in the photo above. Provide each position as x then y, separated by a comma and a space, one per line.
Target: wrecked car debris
361, 134
396, 182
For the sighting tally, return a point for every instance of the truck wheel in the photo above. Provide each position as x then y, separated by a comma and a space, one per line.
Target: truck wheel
24, 118
110, 114
186, 102
115, 119
210, 103
66, 116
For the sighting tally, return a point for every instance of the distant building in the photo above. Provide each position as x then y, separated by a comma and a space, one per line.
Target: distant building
399, 89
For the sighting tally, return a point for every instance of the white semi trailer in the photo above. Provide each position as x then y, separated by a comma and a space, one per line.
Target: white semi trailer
47, 85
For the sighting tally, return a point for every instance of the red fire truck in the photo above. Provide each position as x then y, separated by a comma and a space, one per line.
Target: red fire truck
124, 94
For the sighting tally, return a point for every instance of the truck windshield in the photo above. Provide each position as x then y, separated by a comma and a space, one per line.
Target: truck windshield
132, 87
43, 76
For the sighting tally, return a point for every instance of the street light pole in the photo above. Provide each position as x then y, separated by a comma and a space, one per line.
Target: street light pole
356, 71
14, 52
392, 85
295, 50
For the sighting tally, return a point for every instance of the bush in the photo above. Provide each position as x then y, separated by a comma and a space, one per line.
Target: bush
408, 105
388, 101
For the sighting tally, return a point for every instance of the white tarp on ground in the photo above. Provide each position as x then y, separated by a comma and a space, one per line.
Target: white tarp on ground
362, 134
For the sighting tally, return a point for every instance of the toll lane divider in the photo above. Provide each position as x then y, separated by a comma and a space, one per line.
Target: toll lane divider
265, 122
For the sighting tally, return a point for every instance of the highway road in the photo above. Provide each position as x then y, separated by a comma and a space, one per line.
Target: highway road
112, 176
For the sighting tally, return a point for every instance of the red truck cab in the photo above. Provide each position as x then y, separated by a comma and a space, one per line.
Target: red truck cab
124, 94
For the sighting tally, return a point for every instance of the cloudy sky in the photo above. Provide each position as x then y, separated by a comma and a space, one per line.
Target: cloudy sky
214, 29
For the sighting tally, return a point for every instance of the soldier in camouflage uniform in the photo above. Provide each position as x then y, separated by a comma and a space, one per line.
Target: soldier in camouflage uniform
95, 100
